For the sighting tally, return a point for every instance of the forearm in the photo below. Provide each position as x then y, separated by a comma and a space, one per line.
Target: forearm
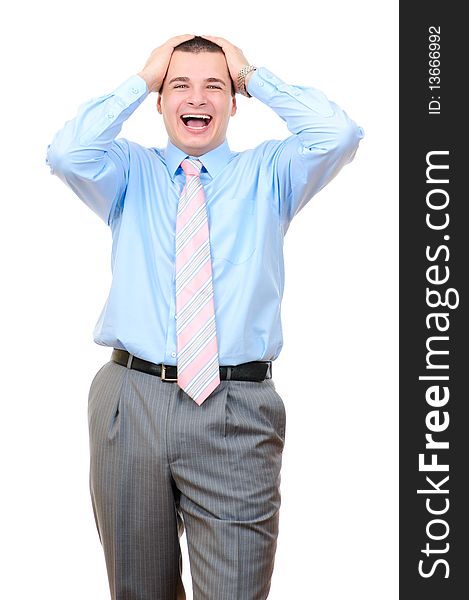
86, 138
317, 122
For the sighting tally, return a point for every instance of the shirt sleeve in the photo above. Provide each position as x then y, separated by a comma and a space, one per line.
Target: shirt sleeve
324, 140
85, 154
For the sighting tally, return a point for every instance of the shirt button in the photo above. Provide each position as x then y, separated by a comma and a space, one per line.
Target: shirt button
297, 92
110, 115
173, 354
261, 83
134, 90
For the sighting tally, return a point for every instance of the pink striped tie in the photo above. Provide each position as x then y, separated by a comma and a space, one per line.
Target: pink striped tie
197, 357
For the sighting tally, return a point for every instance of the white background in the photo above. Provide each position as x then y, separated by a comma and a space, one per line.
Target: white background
338, 369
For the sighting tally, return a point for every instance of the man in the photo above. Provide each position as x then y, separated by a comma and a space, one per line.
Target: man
185, 423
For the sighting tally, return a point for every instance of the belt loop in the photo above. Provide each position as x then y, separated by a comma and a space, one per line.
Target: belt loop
129, 361
228, 373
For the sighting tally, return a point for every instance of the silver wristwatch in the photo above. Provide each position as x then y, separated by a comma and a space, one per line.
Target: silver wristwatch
242, 80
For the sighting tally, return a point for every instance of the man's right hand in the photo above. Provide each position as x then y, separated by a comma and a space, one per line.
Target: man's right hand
156, 66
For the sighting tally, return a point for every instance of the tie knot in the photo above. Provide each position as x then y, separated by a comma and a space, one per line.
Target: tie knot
191, 167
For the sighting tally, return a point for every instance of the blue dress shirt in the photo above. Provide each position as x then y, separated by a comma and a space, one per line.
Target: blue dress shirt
251, 198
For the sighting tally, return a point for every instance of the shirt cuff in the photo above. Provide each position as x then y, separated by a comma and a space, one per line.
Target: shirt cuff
115, 108
135, 88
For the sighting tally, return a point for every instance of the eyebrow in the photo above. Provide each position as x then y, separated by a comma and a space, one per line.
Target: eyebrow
208, 80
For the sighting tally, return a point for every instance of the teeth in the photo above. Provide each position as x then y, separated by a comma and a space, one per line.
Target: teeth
196, 116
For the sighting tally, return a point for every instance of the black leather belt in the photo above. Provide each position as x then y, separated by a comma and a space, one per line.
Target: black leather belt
251, 371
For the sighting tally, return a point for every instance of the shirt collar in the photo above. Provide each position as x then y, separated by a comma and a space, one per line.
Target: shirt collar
214, 161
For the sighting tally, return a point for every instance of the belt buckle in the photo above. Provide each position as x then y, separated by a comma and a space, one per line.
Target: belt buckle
163, 374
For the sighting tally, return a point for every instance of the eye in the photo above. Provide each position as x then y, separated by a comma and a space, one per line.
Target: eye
180, 85
215, 87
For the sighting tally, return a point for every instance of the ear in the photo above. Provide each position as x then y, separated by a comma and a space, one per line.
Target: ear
158, 104
234, 106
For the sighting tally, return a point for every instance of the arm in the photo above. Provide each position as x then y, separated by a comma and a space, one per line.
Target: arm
85, 154
324, 138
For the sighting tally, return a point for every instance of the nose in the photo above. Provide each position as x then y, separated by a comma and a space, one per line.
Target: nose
196, 102
196, 98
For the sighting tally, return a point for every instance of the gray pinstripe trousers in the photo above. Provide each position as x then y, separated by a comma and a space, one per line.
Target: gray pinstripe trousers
160, 462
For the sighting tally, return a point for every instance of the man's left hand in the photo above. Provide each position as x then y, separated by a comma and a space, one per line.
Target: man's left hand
235, 58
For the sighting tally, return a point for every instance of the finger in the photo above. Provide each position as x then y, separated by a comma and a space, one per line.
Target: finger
179, 39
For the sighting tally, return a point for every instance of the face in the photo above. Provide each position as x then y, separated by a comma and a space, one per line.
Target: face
196, 101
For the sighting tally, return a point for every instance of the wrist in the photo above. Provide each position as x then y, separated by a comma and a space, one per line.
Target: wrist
247, 78
244, 74
152, 84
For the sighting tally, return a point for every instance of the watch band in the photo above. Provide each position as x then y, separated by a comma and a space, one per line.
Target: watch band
242, 80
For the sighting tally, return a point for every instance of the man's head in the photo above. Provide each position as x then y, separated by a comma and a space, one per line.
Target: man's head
197, 85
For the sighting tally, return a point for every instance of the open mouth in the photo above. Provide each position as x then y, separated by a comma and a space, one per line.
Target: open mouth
196, 122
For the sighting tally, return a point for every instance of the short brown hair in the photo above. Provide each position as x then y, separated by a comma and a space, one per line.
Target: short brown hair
198, 44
